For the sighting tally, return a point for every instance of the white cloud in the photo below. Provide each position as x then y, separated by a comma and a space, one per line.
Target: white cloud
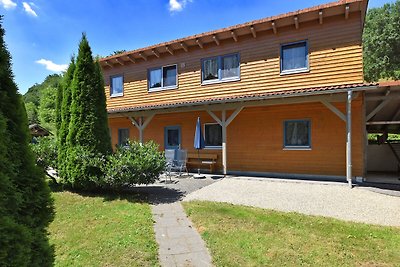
50, 65
8, 4
177, 5
28, 9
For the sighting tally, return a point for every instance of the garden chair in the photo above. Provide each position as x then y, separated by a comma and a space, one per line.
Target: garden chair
170, 161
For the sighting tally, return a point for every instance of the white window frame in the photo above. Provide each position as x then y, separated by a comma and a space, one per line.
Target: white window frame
111, 85
156, 89
298, 70
219, 79
204, 131
299, 147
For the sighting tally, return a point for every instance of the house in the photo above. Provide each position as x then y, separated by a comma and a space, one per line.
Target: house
38, 131
282, 95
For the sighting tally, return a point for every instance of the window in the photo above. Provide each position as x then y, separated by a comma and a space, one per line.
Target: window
297, 134
117, 86
123, 136
221, 68
294, 57
213, 135
172, 137
162, 78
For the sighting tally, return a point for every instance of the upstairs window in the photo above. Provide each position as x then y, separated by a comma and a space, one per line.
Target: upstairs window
117, 86
297, 134
294, 57
221, 68
162, 78
213, 135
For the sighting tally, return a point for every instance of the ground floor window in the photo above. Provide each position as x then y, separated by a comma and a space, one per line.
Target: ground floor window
172, 137
213, 135
123, 136
297, 134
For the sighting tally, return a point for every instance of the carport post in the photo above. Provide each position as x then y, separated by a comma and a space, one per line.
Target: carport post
348, 140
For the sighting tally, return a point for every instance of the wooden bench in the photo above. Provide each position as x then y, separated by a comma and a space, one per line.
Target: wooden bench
198, 160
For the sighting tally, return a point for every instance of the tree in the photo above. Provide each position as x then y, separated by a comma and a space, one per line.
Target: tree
47, 108
26, 206
381, 43
65, 117
88, 128
34, 93
32, 113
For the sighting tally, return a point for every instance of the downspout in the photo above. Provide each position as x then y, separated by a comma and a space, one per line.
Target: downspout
348, 140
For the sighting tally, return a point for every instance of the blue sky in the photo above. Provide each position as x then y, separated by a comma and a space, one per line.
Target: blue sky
43, 34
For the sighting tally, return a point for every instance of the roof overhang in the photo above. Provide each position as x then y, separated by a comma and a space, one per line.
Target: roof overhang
234, 33
259, 99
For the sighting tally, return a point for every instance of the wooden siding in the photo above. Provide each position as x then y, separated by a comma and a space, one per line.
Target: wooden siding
335, 57
255, 138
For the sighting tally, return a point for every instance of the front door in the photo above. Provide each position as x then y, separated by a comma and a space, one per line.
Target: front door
172, 137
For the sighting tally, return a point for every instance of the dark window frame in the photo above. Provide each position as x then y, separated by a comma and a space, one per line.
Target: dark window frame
120, 142
299, 147
112, 94
297, 70
162, 87
219, 62
205, 142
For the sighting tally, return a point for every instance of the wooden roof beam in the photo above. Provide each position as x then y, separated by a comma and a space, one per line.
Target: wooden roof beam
296, 22
169, 50
200, 44
155, 53
234, 36
131, 59
216, 39
184, 46
274, 29
347, 11
119, 61
320, 15
143, 56
253, 31
108, 64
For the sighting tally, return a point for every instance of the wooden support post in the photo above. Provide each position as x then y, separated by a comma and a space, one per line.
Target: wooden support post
140, 125
348, 139
380, 106
224, 142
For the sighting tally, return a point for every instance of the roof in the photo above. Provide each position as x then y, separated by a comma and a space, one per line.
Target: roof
296, 18
251, 97
37, 130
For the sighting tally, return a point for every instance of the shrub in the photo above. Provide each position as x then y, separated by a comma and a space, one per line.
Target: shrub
134, 164
45, 149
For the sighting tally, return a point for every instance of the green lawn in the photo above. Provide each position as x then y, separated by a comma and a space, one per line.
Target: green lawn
244, 236
102, 231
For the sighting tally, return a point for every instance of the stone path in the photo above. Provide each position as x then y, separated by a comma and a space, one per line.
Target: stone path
179, 242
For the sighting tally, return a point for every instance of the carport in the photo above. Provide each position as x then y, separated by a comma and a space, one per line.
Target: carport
382, 158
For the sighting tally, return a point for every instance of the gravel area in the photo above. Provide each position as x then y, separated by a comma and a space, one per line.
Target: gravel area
327, 199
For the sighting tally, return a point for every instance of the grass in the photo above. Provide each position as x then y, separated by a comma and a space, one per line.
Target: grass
244, 236
102, 231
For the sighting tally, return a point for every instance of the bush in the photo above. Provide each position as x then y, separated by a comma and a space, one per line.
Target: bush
134, 164
45, 149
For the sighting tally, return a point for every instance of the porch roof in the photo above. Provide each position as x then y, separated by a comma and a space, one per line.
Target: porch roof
323, 90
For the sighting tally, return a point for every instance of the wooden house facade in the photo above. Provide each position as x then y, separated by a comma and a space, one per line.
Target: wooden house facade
284, 94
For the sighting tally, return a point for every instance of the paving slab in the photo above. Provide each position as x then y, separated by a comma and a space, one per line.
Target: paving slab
179, 242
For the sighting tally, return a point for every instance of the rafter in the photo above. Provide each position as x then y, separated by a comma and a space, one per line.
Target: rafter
131, 59
216, 39
169, 50
347, 11
321, 15
253, 31
119, 61
199, 43
155, 52
274, 27
143, 56
234, 36
184, 46
296, 22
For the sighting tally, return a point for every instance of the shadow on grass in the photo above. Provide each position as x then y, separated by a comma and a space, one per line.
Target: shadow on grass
138, 194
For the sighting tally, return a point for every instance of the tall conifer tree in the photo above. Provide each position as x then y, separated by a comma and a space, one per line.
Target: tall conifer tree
26, 205
88, 128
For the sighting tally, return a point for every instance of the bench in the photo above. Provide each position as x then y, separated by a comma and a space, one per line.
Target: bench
198, 160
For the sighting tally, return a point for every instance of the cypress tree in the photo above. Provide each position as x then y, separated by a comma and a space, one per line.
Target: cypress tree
64, 110
26, 205
88, 128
